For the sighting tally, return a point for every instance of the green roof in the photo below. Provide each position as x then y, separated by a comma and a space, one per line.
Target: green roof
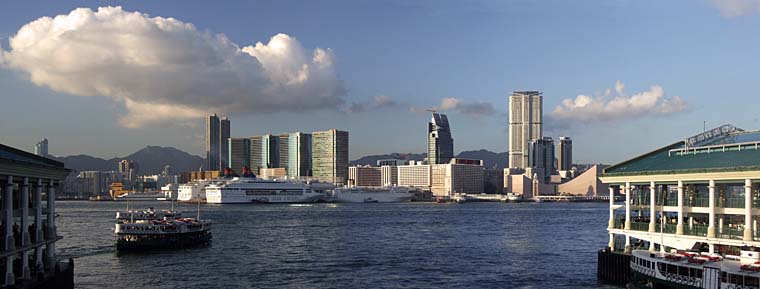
741, 153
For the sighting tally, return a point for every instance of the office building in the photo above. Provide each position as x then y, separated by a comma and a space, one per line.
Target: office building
329, 157
565, 154
240, 153
265, 152
541, 158
41, 148
299, 154
392, 162
217, 133
524, 125
129, 169
452, 178
389, 175
440, 143
417, 176
365, 176
283, 150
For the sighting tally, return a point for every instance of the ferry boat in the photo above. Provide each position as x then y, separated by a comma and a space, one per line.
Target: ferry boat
152, 230
688, 269
371, 195
241, 190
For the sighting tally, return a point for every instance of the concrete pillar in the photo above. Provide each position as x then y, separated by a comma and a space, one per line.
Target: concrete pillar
25, 240
652, 207
720, 225
611, 223
747, 210
651, 246
711, 222
50, 248
627, 243
611, 244
679, 226
8, 213
711, 248
10, 279
627, 206
38, 235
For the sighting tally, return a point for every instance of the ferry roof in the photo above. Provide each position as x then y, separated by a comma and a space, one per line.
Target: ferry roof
725, 148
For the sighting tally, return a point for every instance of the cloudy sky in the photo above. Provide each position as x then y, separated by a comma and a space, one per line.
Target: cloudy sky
620, 77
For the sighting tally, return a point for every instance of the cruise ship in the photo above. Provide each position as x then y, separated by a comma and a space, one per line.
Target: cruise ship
371, 195
253, 190
690, 216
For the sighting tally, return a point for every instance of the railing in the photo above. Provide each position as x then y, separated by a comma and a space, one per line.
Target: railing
668, 229
640, 226
702, 202
733, 203
619, 223
731, 233
641, 200
695, 230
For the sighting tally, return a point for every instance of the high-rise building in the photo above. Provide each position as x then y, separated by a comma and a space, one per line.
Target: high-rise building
299, 154
440, 143
284, 150
565, 154
541, 158
265, 152
524, 125
167, 170
389, 175
217, 133
329, 157
365, 176
41, 148
240, 154
129, 169
224, 149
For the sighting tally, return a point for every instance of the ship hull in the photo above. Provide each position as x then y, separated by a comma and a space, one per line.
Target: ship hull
233, 197
135, 242
371, 197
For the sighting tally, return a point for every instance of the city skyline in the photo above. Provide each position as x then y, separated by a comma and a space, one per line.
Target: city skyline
473, 73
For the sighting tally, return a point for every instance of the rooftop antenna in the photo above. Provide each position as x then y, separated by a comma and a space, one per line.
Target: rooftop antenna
431, 110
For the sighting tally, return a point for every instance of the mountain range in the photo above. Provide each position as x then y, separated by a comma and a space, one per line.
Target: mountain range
152, 159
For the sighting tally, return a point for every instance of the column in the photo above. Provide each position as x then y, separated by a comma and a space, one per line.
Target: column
711, 224
652, 206
8, 232
747, 210
611, 223
651, 246
711, 248
679, 226
627, 243
25, 240
627, 206
38, 235
50, 248
611, 244
8, 213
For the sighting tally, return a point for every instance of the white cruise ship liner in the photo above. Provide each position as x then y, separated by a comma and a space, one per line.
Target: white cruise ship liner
252, 190
371, 195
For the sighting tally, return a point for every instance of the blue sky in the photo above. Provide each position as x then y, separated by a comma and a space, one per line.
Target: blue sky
416, 53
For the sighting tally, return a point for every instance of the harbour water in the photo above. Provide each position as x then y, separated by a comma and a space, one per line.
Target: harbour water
405, 245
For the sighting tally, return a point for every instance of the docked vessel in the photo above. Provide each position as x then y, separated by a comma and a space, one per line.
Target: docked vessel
153, 230
253, 190
371, 195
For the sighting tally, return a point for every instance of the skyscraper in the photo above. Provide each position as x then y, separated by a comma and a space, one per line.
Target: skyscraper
129, 169
239, 154
541, 157
565, 154
217, 133
265, 151
440, 143
283, 150
299, 154
525, 119
41, 148
330, 156
224, 149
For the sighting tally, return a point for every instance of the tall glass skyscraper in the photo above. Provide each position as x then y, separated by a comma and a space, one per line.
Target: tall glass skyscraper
524, 125
440, 143
41, 148
217, 150
299, 154
565, 158
329, 157
239, 154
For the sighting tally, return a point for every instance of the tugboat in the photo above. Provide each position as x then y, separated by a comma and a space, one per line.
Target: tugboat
156, 230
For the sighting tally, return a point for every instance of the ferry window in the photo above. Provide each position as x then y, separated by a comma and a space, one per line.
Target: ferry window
672, 269
751, 281
724, 277
734, 279
661, 268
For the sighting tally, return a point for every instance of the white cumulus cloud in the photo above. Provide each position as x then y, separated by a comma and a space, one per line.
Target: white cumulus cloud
733, 8
619, 106
165, 69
